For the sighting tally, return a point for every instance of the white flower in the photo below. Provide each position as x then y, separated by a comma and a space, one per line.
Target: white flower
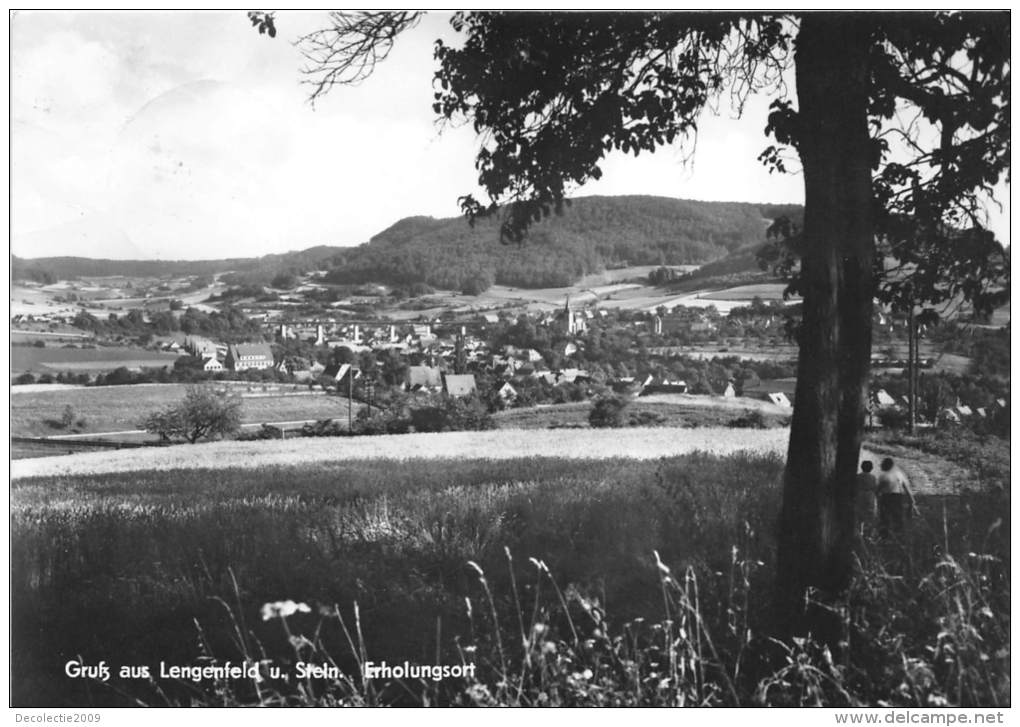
283, 609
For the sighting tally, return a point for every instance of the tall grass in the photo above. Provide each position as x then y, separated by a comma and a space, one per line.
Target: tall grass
630, 582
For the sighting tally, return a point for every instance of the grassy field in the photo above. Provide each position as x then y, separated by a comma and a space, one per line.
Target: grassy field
52, 359
152, 548
119, 408
766, 291
153, 555
501, 444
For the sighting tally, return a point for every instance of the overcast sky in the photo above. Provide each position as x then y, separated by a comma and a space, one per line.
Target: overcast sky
187, 135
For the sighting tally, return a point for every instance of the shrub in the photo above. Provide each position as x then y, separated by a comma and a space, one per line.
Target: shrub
323, 428
447, 413
646, 419
382, 421
750, 420
608, 412
891, 418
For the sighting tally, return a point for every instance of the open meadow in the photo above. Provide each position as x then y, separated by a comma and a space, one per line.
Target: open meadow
501, 444
120, 408
53, 359
666, 410
173, 556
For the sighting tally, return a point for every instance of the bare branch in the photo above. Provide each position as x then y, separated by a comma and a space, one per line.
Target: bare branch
347, 52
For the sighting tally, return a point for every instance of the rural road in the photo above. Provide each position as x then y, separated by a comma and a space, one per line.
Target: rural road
929, 474
98, 435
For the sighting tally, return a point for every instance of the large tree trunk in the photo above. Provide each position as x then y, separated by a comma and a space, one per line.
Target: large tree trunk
817, 521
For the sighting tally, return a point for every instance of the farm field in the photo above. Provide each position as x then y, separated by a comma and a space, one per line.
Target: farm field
946, 362
634, 443
53, 359
62, 333
779, 352
101, 298
766, 291
119, 408
674, 410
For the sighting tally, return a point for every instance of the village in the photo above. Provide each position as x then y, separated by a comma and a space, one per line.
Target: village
363, 347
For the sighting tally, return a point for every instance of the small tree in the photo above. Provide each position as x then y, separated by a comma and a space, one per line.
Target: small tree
608, 412
204, 413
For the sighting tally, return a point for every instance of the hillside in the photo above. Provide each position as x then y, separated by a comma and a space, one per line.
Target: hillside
592, 234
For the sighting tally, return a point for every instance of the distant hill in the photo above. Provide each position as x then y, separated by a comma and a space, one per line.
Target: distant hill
593, 233
51, 269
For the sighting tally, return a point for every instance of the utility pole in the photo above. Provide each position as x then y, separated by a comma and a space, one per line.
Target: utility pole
350, 399
912, 369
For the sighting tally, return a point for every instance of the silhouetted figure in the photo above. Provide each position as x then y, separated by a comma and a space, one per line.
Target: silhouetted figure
894, 497
865, 497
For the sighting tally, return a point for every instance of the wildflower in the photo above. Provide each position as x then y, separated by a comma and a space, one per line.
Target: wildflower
283, 609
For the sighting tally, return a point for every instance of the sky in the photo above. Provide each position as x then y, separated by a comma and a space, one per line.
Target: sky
187, 135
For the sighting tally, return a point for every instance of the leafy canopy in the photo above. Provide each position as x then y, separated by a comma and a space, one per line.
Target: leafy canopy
552, 94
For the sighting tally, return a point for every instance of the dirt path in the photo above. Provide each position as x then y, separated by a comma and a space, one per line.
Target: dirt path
929, 474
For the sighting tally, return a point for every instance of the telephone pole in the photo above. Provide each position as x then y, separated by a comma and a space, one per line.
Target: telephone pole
912, 370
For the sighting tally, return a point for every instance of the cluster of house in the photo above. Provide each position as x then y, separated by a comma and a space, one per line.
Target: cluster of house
777, 391
436, 346
956, 414
234, 357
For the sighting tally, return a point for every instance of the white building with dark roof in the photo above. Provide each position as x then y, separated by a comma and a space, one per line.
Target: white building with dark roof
244, 356
460, 384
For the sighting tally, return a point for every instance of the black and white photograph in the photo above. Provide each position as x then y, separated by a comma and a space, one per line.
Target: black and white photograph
515, 358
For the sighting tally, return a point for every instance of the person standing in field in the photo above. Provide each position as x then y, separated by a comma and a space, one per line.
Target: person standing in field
894, 496
865, 497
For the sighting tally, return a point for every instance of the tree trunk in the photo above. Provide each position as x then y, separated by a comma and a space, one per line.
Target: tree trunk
816, 530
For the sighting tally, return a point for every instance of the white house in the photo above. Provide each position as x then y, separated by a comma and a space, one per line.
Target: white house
780, 399
883, 399
507, 393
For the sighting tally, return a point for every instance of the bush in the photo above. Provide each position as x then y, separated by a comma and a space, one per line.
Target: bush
607, 412
750, 420
382, 421
646, 419
447, 413
893, 418
323, 428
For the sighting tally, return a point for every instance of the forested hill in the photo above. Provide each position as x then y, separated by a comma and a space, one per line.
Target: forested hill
51, 269
593, 233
